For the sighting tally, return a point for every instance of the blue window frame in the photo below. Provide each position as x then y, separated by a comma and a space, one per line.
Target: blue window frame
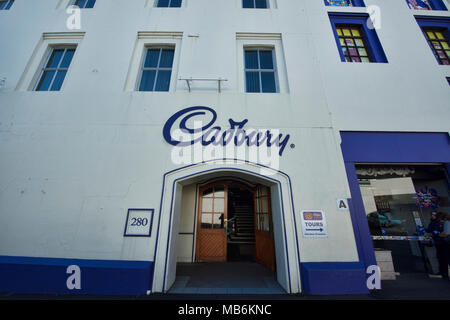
55, 69
260, 70
168, 4
255, 4
157, 69
84, 4
368, 36
6, 4
344, 3
436, 31
426, 4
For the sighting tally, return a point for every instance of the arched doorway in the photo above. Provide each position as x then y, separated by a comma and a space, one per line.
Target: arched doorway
234, 223
167, 219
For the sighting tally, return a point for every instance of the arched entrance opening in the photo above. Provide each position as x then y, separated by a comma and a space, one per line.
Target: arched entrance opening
238, 182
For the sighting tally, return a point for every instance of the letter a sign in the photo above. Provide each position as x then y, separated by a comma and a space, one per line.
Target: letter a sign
342, 204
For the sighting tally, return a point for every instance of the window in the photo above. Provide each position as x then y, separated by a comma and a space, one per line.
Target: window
157, 69
352, 43
355, 40
84, 4
426, 4
260, 70
436, 32
6, 5
169, 4
255, 4
55, 70
344, 3
439, 44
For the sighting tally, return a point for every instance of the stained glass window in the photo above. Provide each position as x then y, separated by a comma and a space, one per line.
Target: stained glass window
352, 43
439, 44
419, 4
339, 3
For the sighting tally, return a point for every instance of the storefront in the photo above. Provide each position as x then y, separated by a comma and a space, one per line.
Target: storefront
397, 180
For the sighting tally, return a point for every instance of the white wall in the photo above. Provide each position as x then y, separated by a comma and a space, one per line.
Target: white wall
72, 162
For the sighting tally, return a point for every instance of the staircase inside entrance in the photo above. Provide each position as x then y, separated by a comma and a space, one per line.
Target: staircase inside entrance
241, 235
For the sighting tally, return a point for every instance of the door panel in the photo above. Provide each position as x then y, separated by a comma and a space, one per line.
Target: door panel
211, 237
264, 244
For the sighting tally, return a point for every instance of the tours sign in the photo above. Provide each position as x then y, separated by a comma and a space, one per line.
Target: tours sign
314, 224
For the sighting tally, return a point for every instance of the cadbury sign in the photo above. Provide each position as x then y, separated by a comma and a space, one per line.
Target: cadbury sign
187, 127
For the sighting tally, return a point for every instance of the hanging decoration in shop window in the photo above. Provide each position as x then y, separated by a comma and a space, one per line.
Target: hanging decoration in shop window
382, 171
427, 198
419, 4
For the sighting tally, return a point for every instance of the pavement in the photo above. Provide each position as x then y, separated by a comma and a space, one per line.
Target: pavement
407, 287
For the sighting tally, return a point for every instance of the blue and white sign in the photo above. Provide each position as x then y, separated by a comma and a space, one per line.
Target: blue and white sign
314, 224
139, 223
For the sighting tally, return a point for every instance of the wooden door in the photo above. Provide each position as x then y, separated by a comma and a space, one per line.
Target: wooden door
212, 215
264, 244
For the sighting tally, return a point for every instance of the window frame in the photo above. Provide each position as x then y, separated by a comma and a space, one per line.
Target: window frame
142, 68
169, 4
436, 23
254, 2
74, 3
44, 67
9, 4
436, 5
355, 3
370, 37
259, 70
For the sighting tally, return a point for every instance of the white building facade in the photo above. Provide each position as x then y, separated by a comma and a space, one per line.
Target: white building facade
123, 137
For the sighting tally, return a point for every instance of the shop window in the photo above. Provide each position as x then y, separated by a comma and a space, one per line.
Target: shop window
436, 32
260, 70
157, 69
398, 201
6, 5
426, 4
55, 70
168, 3
356, 42
84, 4
344, 3
255, 4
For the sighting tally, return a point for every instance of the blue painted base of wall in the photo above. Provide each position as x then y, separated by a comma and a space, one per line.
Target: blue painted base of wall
27, 275
329, 278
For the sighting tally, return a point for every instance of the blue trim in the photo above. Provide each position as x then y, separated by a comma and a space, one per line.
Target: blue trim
402, 147
373, 44
323, 278
355, 3
221, 169
139, 235
48, 275
360, 224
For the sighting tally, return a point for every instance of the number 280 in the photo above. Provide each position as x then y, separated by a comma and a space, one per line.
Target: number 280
138, 222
